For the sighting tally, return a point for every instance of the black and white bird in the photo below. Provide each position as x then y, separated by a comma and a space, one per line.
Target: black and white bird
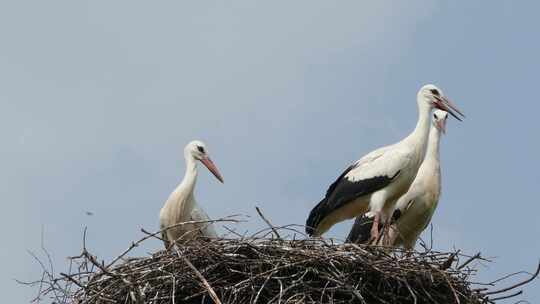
379, 177
181, 206
413, 211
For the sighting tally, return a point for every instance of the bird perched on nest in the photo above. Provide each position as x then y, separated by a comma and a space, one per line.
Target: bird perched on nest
379, 177
414, 210
181, 205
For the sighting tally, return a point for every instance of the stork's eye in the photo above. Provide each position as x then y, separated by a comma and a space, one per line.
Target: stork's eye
435, 92
201, 149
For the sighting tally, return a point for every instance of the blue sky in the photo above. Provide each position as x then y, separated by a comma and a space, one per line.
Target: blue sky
99, 98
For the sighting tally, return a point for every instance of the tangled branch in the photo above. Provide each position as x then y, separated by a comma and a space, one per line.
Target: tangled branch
275, 270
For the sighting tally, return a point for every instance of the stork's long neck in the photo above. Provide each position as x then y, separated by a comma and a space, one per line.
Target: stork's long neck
432, 151
418, 137
190, 177
184, 191
430, 170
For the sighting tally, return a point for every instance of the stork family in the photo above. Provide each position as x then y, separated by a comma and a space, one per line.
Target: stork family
392, 191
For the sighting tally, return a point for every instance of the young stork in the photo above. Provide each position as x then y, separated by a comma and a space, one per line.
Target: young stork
181, 205
379, 177
413, 211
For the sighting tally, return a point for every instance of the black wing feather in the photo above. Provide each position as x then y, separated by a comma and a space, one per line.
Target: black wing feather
336, 182
341, 192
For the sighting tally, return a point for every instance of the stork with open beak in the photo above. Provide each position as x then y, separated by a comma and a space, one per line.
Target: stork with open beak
379, 177
414, 210
181, 205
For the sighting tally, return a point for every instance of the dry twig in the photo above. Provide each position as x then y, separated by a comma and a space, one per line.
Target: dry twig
259, 270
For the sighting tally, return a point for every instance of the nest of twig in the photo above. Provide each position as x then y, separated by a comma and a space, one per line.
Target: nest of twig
255, 270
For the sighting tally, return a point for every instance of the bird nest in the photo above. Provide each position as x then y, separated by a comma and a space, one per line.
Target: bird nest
271, 270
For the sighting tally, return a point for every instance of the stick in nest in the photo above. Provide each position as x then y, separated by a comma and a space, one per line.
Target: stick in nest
243, 270
268, 222
211, 291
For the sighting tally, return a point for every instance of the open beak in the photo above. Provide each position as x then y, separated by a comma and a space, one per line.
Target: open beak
441, 125
443, 103
212, 168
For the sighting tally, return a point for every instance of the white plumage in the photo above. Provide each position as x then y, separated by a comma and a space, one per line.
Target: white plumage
181, 205
379, 177
198, 215
414, 210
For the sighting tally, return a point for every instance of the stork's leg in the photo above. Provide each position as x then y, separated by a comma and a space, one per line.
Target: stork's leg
383, 234
376, 206
375, 233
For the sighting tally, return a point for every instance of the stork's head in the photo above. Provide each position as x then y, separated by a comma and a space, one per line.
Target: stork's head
197, 149
439, 120
430, 95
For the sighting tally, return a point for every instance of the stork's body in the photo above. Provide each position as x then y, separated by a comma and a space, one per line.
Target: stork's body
378, 179
181, 205
414, 210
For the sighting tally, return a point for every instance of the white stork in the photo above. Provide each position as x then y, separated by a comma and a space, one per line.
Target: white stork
379, 177
413, 211
181, 205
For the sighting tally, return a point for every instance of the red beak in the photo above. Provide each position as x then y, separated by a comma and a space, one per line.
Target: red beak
212, 168
443, 103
